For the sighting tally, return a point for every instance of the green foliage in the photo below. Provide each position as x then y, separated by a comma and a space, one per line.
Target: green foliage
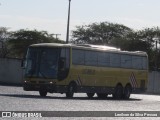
99, 33
20, 40
4, 36
152, 36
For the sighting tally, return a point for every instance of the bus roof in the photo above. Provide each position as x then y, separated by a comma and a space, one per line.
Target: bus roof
90, 47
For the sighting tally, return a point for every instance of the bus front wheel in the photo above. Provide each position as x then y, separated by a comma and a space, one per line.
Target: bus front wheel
43, 93
70, 92
90, 95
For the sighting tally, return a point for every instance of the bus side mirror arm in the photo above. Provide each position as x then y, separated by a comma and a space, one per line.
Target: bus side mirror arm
23, 63
62, 64
61, 68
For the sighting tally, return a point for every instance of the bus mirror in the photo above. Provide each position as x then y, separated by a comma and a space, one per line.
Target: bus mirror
62, 63
23, 63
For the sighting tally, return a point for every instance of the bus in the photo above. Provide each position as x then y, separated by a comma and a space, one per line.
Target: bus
90, 69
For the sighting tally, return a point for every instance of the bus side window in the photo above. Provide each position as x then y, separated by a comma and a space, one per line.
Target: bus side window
144, 63
137, 62
103, 59
78, 57
91, 58
126, 61
115, 60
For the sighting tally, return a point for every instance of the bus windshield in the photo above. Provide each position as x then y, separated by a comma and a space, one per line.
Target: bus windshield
42, 62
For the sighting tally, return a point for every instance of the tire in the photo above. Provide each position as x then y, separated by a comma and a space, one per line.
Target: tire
127, 92
118, 93
71, 90
90, 95
43, 93
102, 95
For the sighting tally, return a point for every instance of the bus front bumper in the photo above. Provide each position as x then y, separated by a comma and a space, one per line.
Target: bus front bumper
38, 87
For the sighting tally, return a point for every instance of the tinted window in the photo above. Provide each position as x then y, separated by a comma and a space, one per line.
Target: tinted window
126, 61
115, 60
78, 57
103, 59
136, 62
144, 63
42, 62
91, 58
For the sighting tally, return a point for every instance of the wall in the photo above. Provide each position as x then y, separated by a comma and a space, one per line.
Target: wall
154, 82
10, 71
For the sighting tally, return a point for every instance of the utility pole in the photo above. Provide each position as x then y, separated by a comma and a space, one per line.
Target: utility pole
67, 36
156, 67
1, 49
156, 52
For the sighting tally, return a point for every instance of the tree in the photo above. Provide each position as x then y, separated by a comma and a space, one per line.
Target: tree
142, 40
99, 33
20, 40
133, 42
4, 36
152, 36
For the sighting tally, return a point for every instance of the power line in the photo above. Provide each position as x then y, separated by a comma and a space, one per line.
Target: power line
57, 35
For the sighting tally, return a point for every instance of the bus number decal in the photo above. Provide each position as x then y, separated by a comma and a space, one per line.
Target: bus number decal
88, 71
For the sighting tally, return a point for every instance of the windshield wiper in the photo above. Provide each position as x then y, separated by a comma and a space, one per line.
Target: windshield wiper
42, 75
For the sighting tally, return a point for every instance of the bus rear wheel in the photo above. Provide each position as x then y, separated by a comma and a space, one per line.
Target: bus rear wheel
90, 95
102, 95
43, 93
70, 92
118, 94
127, 92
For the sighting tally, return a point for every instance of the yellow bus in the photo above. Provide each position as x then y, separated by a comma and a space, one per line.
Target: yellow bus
90, 69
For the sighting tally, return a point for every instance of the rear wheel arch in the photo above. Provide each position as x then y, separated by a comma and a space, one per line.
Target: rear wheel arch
119, 84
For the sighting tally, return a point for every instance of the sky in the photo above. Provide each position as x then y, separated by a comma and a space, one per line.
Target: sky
51, 15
